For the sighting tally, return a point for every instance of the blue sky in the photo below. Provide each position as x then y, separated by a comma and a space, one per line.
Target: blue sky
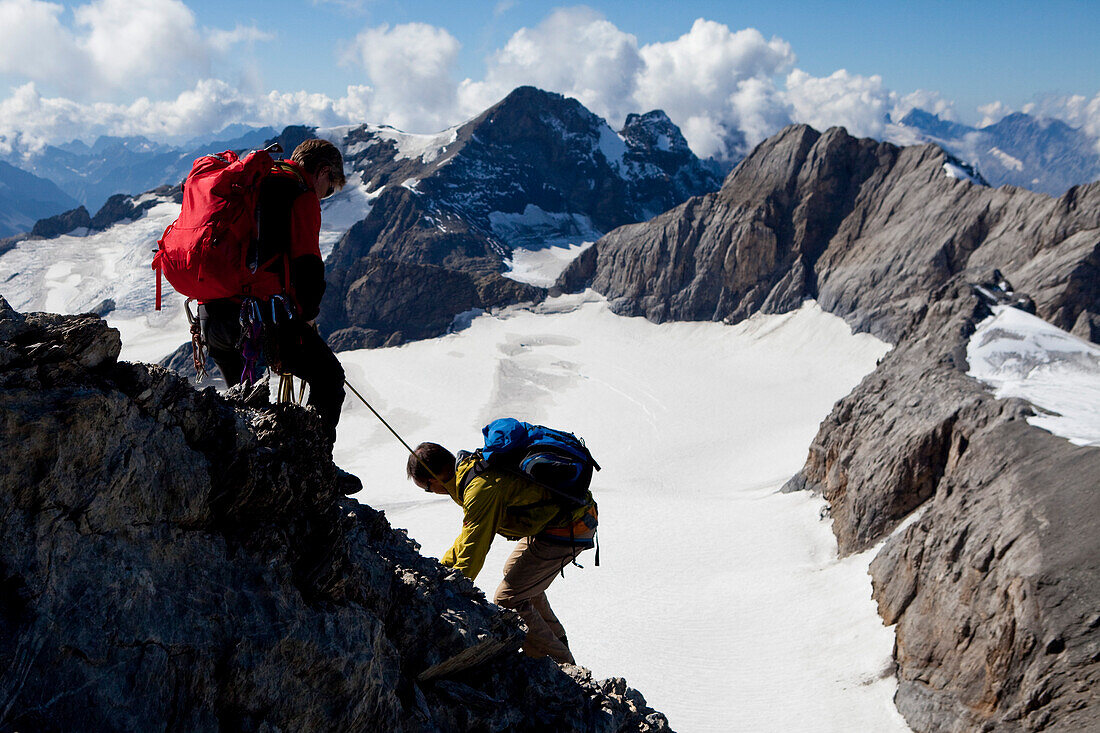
168, 68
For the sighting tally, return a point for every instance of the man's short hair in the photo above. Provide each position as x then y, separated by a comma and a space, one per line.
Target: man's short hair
314, 154
430, 458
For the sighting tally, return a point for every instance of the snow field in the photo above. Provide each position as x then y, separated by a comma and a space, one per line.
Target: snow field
718, 597
1020, 355
74, 273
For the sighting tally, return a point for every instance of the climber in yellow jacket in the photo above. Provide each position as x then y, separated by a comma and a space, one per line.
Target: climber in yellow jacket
495, 502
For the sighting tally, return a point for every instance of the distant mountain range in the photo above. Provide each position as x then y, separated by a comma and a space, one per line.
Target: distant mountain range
25, 198
91, 174
1039, 154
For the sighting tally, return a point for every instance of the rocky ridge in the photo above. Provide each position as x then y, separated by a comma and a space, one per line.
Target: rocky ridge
867, 229
992, 581
179, 560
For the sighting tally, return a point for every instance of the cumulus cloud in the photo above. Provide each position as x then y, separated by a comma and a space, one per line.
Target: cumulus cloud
929, 101
718, 85
858, 103
993, 113
110, 48
29, 120
410, 67
34, 45
726, 89
574, 51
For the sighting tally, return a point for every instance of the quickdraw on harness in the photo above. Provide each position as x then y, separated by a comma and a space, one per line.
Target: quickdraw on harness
198, 352
260, 337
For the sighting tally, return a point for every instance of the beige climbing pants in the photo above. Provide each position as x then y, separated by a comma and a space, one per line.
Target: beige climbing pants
528, 572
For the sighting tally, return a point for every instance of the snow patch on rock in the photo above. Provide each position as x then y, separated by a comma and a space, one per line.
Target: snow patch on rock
1020, 355
537, 229
951, 170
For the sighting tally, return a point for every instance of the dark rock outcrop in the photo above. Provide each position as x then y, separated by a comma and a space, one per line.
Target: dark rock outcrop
175, 560
63, 223
122, 207
868, 229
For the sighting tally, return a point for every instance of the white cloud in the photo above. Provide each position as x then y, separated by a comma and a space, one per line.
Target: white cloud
111, 48
993, 113
33, 43
574, 51
150, 41
726, 89
857, 103
929, 101
410, 70
223, 41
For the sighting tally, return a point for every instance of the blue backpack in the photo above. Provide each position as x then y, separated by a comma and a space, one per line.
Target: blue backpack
554, 459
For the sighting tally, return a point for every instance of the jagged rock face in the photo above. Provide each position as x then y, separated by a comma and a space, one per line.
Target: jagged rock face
456, 202
173, 560
384, 293
993, 588
866, 228
63, 223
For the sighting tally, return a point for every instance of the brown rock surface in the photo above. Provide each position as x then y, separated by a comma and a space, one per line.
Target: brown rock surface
173, 560
868, 229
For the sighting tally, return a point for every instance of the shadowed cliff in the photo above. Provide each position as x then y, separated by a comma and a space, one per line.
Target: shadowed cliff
175, 560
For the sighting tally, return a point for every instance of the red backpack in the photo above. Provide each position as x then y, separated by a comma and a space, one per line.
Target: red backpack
203, 253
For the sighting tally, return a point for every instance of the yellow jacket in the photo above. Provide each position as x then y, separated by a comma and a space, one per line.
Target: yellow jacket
499, 502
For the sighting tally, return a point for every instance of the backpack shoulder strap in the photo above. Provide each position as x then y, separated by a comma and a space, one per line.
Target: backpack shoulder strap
479, 467
288, 170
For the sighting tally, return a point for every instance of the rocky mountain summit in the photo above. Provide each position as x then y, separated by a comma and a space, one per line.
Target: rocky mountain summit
179, 560
993, 579
534, 169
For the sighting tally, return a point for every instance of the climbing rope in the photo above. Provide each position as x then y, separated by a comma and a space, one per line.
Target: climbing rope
388, 427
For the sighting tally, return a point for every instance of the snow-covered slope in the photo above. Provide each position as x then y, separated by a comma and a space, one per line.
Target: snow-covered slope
716, 594
1020, 355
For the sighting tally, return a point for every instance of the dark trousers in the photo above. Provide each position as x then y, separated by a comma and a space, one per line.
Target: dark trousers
302, 352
